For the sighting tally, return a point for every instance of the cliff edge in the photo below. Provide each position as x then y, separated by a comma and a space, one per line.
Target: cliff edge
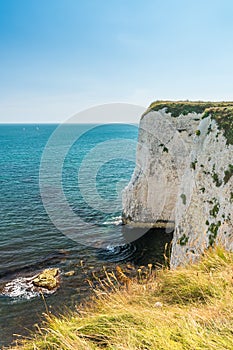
183, 177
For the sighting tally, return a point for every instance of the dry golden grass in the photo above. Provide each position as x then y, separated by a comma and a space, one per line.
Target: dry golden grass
187, 308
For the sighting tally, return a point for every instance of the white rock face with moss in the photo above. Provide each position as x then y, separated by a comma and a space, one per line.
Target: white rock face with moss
183, 179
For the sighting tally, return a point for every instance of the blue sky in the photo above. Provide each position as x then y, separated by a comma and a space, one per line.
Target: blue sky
58, 57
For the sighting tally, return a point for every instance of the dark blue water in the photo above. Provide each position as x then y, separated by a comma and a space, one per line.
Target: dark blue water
29, 240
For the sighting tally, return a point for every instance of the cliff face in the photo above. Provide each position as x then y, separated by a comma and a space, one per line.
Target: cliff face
183, 178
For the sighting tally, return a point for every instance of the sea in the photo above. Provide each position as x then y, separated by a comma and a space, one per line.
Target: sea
60, 206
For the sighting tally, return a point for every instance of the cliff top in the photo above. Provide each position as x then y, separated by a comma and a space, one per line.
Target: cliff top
221, 112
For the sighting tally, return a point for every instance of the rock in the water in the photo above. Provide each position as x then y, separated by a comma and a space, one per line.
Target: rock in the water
47, 279
69, 273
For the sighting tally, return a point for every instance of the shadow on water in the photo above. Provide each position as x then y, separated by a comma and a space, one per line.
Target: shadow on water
147, 246
152, 247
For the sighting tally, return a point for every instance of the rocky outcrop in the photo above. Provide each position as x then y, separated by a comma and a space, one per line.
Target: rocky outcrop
48, 279
27, 287
183, 178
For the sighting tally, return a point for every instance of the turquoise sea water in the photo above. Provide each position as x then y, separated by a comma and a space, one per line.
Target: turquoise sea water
30, 241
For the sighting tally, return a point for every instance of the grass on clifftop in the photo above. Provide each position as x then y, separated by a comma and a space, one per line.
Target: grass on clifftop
177, 108
187, 308
221, 112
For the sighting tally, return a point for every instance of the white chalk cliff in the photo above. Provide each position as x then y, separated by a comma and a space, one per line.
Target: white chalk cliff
183, 178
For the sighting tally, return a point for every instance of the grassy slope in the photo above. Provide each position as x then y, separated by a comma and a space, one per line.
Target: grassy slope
187, 308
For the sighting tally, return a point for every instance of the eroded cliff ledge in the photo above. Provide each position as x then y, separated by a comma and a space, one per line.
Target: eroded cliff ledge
183, 178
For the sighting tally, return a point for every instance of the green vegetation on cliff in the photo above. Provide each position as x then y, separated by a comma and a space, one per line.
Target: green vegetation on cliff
177, 108
187, 308
224, 118
221, 112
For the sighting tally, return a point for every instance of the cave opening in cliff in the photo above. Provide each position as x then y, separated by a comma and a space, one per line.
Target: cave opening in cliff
154, 246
